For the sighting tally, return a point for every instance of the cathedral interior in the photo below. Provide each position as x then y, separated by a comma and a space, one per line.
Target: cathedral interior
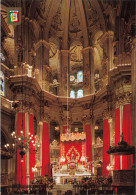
68, 91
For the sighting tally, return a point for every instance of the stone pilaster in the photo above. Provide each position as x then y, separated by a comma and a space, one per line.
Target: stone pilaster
86, 71
40, 138
121, 118
65, 81
27, 151
108, 51
133, 80
110, 120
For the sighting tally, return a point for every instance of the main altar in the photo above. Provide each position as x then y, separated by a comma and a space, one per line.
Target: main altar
73, 163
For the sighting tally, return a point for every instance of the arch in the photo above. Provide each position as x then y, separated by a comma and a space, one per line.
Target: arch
42, 43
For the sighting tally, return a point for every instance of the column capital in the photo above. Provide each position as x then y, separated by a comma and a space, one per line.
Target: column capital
106, 114
110, 120
40, 123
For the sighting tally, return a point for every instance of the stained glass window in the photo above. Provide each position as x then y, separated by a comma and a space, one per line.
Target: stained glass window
72, 94
79, 93
80, 76
2, 84
72, 78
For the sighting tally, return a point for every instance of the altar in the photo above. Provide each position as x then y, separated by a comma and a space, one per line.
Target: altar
73, 164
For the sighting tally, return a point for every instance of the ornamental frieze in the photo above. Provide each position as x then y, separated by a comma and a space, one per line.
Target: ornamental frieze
72, 137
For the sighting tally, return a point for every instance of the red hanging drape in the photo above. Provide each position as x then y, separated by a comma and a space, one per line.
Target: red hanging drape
73, 147
32, 152
64, 129
106, 144
127, 161
117, 137
45, 151
88, 143
20, 170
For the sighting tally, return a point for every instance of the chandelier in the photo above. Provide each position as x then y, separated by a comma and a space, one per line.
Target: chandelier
23, 143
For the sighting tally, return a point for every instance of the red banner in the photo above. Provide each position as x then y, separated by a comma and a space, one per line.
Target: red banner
73, 151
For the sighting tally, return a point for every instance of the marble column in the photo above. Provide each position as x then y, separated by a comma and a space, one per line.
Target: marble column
108, 50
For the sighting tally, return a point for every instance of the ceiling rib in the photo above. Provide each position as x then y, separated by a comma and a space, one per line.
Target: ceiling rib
66, 24
83, 21
52, 12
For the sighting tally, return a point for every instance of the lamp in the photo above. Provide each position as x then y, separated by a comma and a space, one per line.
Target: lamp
109, 168
34, 169
82, 159
22, 143
57, 128
62, 159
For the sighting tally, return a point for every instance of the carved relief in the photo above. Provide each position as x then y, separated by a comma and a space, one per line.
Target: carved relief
75, 24
93, 16
20, 50
56, 24
104, 65
123, 98
53, 50
75, 53
42, 7
106, 114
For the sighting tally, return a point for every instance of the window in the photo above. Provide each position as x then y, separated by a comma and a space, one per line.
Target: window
80, 76
72, 78
79, 93
72, 94
2, 84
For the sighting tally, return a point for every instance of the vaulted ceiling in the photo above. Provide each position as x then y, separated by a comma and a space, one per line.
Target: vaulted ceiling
70, 20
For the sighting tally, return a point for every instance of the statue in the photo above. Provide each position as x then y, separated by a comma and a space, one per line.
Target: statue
72, 157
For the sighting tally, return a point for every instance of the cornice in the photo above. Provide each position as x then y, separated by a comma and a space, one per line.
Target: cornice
118, 72
86, 49
41, 100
